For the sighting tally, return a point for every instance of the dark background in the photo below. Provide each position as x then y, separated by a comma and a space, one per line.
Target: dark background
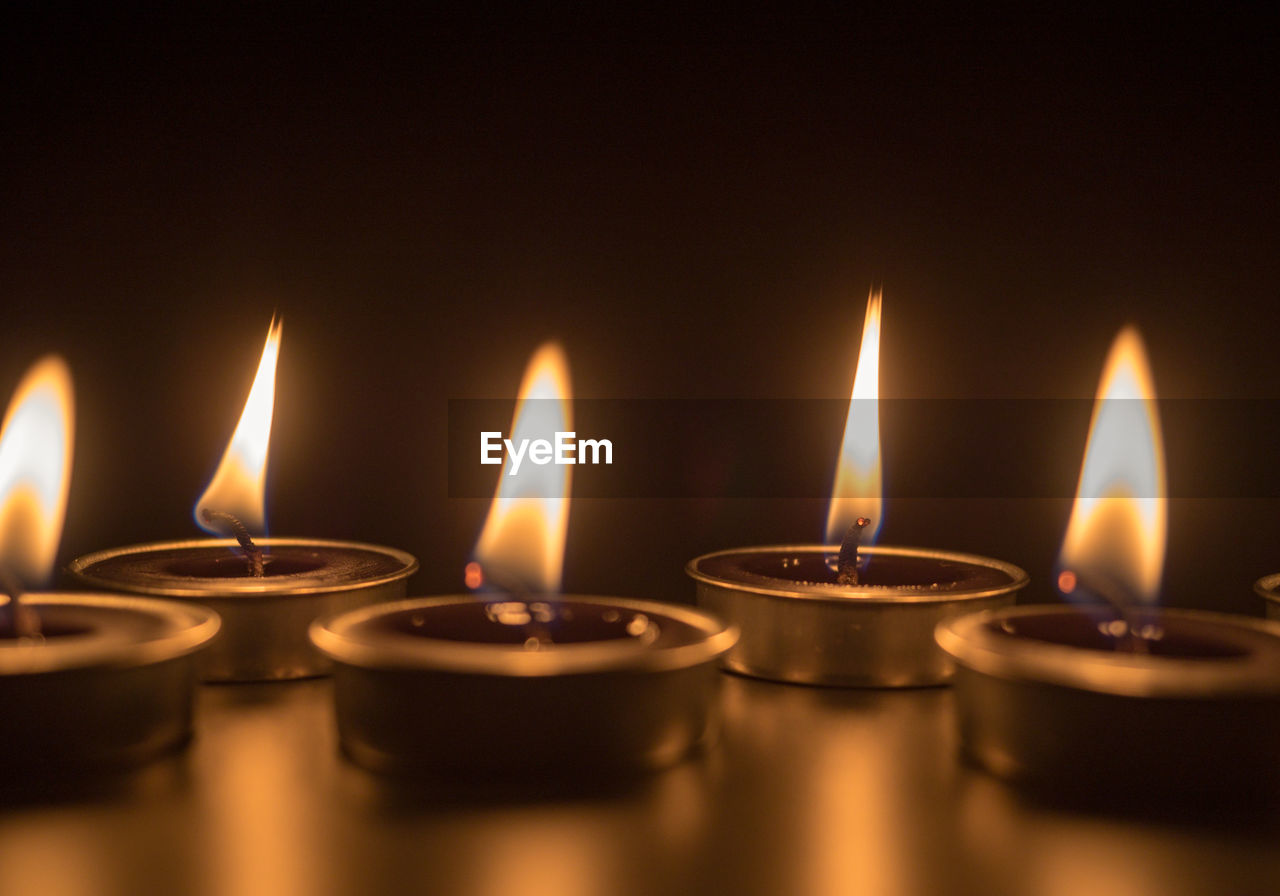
695, 207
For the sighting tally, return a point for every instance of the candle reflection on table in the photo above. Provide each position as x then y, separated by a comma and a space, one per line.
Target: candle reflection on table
811, 791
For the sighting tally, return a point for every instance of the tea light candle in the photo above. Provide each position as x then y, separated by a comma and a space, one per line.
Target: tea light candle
845, 614
1120, 696
107, 682
264, 618
267, 590
1046, 699
800, 624
523, 681
460, 685
86, 681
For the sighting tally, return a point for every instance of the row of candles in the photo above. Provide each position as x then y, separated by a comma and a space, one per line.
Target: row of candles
1108, 690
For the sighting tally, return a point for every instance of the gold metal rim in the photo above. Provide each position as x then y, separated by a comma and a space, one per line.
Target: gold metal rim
852, 593
968, 640
190, 627
224, 588
333, 636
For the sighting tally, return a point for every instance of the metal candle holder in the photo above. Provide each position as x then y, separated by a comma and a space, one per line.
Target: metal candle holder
107, 684
800, 626
1045, 699
264, 619
530, 685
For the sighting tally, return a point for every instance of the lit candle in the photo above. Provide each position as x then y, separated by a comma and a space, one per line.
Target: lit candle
86, 681
523, 679
1117, 695
846, 613
267, 590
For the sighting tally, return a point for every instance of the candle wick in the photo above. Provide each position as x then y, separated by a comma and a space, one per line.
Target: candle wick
252, 553
512, 586
847, 562
23, 622
1118, 600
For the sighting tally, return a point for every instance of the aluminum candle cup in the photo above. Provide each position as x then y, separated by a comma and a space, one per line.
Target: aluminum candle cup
565, 685
1268, 588
1045, 699
799, 625
107, 684
264, 620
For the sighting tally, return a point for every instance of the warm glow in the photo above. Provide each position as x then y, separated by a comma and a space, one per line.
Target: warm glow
857, 491
35, 471
522, 544
239, 483
1116, 537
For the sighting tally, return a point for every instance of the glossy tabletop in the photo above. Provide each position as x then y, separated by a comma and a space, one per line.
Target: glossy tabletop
809, 791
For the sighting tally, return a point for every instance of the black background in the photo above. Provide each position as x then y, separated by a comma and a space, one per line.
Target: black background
695, 207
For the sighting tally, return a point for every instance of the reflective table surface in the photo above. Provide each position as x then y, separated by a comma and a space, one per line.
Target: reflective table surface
809, 791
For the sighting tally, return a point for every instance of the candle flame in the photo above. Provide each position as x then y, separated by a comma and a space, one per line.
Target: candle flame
35, 470
857, 491
239, 484
1116, 536
522, 543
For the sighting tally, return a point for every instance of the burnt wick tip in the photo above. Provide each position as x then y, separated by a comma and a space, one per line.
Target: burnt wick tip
252, 553
847, 562
1128, 637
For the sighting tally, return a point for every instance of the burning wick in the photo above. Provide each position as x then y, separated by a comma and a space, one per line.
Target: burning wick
847, 562
1126, 634
521, 611
252, 553
24, 622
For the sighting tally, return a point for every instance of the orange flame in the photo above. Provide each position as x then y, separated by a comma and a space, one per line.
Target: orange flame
238, 485
522, 542
1116, 536
858, 491
35, 470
